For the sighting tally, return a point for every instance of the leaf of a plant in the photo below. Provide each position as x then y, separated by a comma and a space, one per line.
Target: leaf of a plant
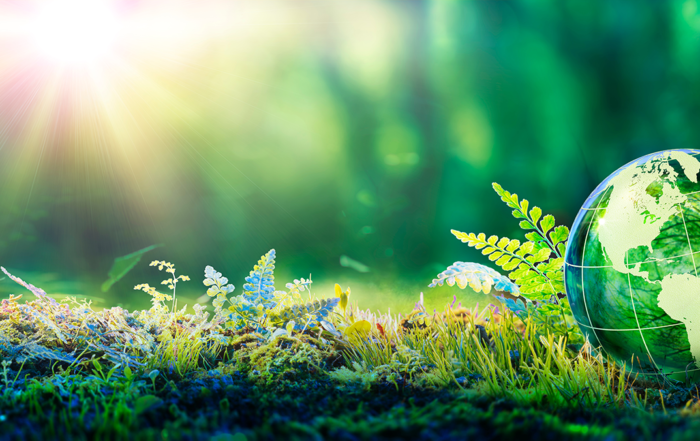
547, 223
526, 225
359, 328
145, 402
123, 265
524, 205
560, 234
561, 248
534, 236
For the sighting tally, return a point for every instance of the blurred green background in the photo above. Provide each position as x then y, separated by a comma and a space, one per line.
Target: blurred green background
332, 131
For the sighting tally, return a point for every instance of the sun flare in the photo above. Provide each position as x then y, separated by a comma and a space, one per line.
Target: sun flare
76, 31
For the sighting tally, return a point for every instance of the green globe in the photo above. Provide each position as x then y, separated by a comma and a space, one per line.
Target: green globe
631, 265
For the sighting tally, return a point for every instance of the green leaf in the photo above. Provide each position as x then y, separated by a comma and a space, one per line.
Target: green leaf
547, 223
503, 260
560, 234
521, 272
526, 248
543, 255
514, 201
561, 248
534, 236
495, 255
123, 265
524, 205
488, 250
513, 245
498, 188
552, 265
511, 265
128, 373
526, 225
462, 236
535, 214
145, 402
518, 214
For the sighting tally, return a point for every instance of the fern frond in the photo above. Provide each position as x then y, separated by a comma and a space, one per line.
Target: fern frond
286, 299
307, 315
476, 276
259, 297
555, 239
245, 314
537, 277
217, 287
298, 286
260, 284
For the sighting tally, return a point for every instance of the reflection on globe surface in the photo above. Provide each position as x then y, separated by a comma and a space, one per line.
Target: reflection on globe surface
631, 269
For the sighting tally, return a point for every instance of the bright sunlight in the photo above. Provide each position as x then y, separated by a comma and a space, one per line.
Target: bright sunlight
76, 31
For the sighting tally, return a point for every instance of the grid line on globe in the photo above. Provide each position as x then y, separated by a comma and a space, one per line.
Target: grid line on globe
668, 165
638, 328
636, 317
583, 256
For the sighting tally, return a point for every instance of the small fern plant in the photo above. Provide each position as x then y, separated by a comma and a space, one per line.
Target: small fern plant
261, 308
158, 298
535, 267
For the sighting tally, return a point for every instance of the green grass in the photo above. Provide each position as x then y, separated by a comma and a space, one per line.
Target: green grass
73, 372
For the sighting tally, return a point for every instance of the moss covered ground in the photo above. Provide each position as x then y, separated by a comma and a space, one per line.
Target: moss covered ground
275, 365
228, 404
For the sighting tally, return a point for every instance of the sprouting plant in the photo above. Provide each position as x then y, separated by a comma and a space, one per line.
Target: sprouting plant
535, 266
250, 308
260, 305
157, 297
218, 287
286, 299
172, 282
343, 296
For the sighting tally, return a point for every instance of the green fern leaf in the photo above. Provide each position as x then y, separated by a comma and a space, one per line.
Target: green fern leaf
478, 277
535, 237
560, 234
513, 245
547, 223
261, 281
307, 315
535, 266
512, 264
551, 265
217, 287
530, 222
526, 225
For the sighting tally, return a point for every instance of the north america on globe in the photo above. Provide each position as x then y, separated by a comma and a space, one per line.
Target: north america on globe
631, 266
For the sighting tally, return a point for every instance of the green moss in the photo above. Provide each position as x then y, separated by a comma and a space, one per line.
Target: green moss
285, 358
74, 372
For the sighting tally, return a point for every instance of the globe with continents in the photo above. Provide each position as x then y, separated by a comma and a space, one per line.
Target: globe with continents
631, 265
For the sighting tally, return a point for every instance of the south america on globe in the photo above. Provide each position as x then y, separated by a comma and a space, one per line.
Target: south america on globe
631, 265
